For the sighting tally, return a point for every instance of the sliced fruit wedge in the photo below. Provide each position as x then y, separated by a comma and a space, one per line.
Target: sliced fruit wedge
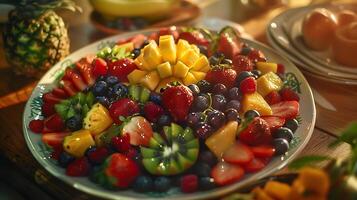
238, 153
274, 122
224, 173
140, 131
286, 109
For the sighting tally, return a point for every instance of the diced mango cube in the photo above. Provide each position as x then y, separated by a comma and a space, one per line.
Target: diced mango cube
129, 46
195, 48
165, 70
255, 101
139, 61
189, 57
189, 79
181, 47
206, 68
180, 70
163, 83
151, 80
200, 63
198, 75
269, 82
136, 76
167, 48
152, 56
277, 190
266, 67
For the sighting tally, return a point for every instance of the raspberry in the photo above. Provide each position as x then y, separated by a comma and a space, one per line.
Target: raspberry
153, 111
189, 183
273, 98
54, 123
79, 167
248, 85
36, 125
121, 143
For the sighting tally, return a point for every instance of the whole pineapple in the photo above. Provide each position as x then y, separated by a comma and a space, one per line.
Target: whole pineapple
35, 37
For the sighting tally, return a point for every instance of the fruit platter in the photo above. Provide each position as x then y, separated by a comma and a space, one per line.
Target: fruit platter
177, 112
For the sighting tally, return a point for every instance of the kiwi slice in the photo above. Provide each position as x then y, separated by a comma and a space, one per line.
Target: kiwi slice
78, 104
139, 93
172, 153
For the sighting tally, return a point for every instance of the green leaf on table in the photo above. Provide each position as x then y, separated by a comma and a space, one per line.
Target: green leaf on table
349, 135
238, 196
307, 161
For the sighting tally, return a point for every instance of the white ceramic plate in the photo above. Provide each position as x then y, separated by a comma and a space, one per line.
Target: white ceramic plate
41, 153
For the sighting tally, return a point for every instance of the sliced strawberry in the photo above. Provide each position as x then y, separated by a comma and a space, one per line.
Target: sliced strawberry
238, 154
140, 131
86, 70
256, 56
256, 133
54, 140
242, 63
48, 109
69, 88
121, 170
286, 109
228, 46
226, 76
78, 82
68, 73
138, 40
274, 122
100, 67
255, 165
123, 107
54, 123
224, 173
281, 69
79, 167
287, 94
273, 98
60, 93
263, 151
121, 68
154, 36
36, 125
49, 97
169, 31
194, 37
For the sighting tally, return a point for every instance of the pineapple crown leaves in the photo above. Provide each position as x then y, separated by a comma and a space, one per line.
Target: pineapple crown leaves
38, 7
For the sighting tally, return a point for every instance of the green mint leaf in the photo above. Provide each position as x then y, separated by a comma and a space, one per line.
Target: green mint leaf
307, 161
349, 135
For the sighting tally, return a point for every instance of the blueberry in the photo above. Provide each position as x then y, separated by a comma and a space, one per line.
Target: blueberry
204, 86
164, 120
101, 78
284, 132
250, 114
120, 90
206, 183
245, 51
203, 49
162, 184
256, 73
90, 150
195, 89
64, 159
74, 123
213, 60
100, 88
143, 184
241, 76
111, 80
155, 97
202, 169
292, 124
135, 53
207, 157
281, 146
103, 100
227, 61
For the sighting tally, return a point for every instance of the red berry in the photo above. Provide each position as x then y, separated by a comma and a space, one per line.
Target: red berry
131, 153
239, 154
54, 123
256, 133
48, 109
121, 143
256, 56
189, 183
121, 68
281, 69
242, 63
79, 167
59, 92
98, 155
36, 125
123, 107
152, 111
122, 170
255, 165
248, 85
49, 97
287, 94
273, 98
56, 153
100, 67
286, 109
224, 173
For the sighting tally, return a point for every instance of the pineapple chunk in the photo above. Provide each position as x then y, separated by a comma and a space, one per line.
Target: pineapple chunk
266, 67
129, 46
189, 79
152, 56
151, 80
163, 83
167, 48
198, 75
135, 76
268, 82
200, 63
256, 102
222, 139
181, 47
180, 70
78, 142
97, 119
165, 70
189, 57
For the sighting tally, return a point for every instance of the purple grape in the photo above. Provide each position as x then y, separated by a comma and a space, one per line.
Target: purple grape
235, 104
219, 89
218, 101
207, 157
234, 94
192, 119
195, 89
231, 114
204, 85
216, 119
200, 103
203, 130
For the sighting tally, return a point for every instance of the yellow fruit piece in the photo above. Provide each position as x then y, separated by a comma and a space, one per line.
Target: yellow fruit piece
99, 142
181, 47
165, 70
180, 70
198, 75
151, 80
167, 48
129, 46
201, 63
315, 180
163, 83
206, 69
136, 76
78, 142
151, 56
222, 139
195, 48
189, 79
266, 67
260, 194
277, 190
189, 57
268, 82
255, 101
97, 119
139, 61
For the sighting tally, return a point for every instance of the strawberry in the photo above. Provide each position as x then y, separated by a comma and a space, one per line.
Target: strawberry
123, 107
48, 109
56, 153
242, 63
140, 131
224, 173
169, 31
36, 125
68, 73
121, 68
248, 85
121, 143
85, 68
152, 111
228, 46
263, 151
97, 155
225, 76
79, 167
121, 170
69, 88
154, 36
287, 94
238, 154
256, 56
54, 140
255, 165
78, 82
194, 37
281, 69
54, 123
138, 40
256, 133
60, 93
177, 100
273, 98
100, 67
189, 183
286, 109
50, 98
274, 122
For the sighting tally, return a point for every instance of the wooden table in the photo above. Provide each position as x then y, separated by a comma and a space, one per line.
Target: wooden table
12, 145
